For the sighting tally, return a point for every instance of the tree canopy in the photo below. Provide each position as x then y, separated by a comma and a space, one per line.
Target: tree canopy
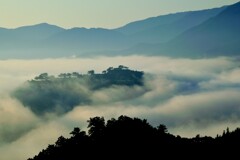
59, 94
134, 137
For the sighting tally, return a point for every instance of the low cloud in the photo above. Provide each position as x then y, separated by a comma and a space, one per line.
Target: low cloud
15, 120
190, 96
203, 109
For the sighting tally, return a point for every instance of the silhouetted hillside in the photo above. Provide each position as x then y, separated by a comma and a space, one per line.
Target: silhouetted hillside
133, 137
50, 94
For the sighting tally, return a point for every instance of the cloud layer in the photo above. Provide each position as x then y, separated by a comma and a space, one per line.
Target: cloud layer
190, 96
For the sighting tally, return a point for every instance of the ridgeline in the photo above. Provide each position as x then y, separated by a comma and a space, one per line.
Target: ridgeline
133, 137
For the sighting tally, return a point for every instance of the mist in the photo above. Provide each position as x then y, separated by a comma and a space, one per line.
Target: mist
189, 96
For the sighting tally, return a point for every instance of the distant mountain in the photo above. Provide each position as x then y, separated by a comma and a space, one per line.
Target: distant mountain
44, 40
164, 28
80, 40
218, 36
27, 35
39, 31
24, 42
205, 33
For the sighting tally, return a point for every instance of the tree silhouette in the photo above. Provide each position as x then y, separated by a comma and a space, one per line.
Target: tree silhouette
61, 141
96, 127
122, 67
42, 77
132, 137
91, 72
162, 129
75, 131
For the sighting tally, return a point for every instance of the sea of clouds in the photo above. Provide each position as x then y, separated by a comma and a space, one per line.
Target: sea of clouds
190, 96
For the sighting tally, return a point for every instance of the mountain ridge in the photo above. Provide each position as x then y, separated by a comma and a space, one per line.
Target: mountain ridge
217, 36
168, 35
215, 33
164, 28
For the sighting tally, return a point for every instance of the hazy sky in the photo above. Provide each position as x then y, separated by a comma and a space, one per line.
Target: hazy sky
93, 13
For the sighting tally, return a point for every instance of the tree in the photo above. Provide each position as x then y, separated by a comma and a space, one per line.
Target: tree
69, 75
122, 67
109, 69
43, 76
97, 127
198, 136
227, 131
224, 133
61, 141
91, 72
162, 128
62, 75
75, 74
75, 131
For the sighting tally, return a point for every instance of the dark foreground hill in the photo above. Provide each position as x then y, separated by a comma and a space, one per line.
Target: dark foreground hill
127, 137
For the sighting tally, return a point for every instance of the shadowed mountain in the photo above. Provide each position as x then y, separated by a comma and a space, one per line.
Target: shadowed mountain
44, 40
163, 28
205, 33
27, 36
25, 42
80, 40
218, 36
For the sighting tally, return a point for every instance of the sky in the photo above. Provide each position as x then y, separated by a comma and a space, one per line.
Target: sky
93, 13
